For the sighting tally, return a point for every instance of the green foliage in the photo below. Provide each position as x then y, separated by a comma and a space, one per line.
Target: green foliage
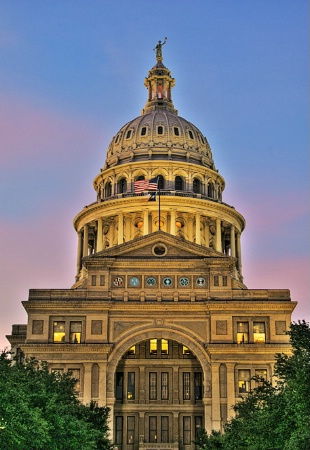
39, 410
273, 417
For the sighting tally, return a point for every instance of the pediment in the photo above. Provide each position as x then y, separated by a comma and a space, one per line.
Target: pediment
152, 245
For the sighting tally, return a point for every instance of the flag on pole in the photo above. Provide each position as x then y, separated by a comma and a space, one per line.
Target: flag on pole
145, 185
152, 197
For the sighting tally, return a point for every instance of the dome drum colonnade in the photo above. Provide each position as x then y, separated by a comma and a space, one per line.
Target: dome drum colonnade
159, 144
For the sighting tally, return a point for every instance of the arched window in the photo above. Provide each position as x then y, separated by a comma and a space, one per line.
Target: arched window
190, 133
211, 190
178, 183
122, 185
160, 129
161, 182
108, 190
196, 186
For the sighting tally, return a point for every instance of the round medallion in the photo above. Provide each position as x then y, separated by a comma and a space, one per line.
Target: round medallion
134, 281
151, 281
118, 281
200, 281
184, 281
167, 281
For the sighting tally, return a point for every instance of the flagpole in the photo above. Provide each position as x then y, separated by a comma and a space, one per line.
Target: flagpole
158, 207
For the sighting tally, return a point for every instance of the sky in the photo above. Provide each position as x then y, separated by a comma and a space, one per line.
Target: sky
71, 75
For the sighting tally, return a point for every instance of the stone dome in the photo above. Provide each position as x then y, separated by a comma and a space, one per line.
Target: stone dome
159, 134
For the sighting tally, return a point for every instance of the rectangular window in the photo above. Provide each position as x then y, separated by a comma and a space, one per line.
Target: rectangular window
259, 333
75, 332
164, 347
153, 346
59, 332
93, 280
132, 351
198, 425
102, 281
119, 385
131, 386
153, 429
186, 385
186, 430
75, 373
261, 373
176, 131
164, 386
244, 377
186, 351
153, 386
118, 430
242, 332
130, 429
198, 385
164, 436
224, 280
216, 280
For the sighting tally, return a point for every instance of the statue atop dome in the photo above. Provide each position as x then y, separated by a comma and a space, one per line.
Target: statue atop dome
158, 50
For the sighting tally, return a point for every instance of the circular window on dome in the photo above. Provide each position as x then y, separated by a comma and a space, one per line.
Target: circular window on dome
159, 250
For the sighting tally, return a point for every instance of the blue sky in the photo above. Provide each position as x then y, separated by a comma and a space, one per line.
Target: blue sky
72, 74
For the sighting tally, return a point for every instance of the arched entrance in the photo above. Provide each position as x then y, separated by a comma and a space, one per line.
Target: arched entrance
159, 394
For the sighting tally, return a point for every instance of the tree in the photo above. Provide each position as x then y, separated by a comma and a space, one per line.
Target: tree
273, 417
40, 410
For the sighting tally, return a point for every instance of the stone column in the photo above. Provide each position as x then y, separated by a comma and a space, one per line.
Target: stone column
102, 383
120, 234
231, 396
87, 383
146, 222
79, 254
207, 233
189, 227
197, 231
172, 222
239, 253
85, 243
99, 236
218, 235
127, 228
215, 408
232, 241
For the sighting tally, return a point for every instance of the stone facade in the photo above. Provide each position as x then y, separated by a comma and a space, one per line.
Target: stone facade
158, 325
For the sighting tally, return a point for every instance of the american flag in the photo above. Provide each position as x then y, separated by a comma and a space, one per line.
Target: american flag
145, 185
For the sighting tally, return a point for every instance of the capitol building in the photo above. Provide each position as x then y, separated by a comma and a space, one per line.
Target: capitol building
159, 324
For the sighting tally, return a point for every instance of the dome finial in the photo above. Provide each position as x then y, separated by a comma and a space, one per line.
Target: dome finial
158, 49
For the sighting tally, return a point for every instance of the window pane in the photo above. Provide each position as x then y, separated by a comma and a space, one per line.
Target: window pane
59, 331
244, 381
242, 332
186, 430
186, 385
130, 429
164, 347
178, 184
153, 386
198, 385
153, 429
262, 373
132, 351
164, 386
164, 429
259, 334
131, 386
153, 346
75, 373
119, 430
75, 332
198, 424
119, 385
186, 350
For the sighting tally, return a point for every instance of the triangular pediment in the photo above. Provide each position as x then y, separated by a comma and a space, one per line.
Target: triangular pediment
157, 244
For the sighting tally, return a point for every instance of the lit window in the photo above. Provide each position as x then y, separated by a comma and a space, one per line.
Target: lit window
153, 386
131, 386
187, 430
164, 386
186, 350
259, 333
132, 351
244, 377
59, 332
130, 429
164, 347
75, 332
186, 385
153, 346
242, 332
